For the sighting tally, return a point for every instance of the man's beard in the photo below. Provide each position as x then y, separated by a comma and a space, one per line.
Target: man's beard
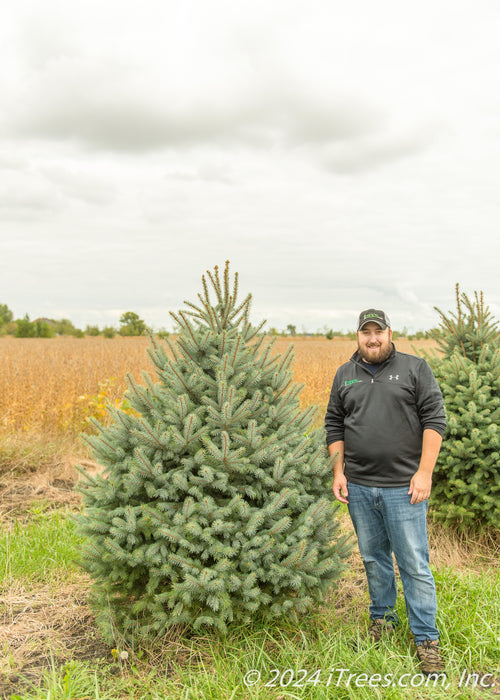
373, 358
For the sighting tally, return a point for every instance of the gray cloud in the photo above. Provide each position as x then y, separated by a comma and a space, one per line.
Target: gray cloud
186, 93
207, 171
27, 202
377, 150
114, 107
76, 184
106, 119
108, 108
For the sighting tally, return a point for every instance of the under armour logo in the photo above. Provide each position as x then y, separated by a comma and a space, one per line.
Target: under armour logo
394, 376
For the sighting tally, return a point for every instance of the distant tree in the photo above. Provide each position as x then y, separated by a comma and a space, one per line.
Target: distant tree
44, 328
25, 328
92, 330
6, 314
291, 329
419, 335
64, 327
131, 324
329, 334
109, 332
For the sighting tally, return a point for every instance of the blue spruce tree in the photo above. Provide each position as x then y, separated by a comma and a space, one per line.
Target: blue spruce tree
216, 503
466, 481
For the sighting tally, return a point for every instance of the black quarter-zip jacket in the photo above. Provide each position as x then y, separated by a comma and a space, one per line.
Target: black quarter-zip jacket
381, 417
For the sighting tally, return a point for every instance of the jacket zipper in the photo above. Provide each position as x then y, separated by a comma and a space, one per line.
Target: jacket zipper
366, 370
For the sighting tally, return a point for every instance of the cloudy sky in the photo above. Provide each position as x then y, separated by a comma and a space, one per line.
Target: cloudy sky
340, 154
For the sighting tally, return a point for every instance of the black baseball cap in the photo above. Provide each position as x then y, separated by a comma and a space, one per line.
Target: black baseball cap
375, 316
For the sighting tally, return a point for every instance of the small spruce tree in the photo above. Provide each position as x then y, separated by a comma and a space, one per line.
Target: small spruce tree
466, 481
216, 504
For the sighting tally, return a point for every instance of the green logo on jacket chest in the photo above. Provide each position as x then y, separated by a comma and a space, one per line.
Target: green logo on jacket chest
351, 381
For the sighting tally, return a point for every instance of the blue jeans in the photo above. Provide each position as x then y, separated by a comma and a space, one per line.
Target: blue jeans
386, 522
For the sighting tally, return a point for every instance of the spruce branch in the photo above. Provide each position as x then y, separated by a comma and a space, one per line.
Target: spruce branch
147, 434
214, 279
243, 307
199, 313
185, 351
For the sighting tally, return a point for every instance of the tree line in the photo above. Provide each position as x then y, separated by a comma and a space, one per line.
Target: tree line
130, 324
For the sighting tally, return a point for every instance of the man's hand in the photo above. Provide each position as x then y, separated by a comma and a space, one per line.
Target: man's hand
420, 486
340, 488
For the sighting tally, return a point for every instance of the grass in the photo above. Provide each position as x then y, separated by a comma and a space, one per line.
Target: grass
320, 657
34, 547
53, 650
31, 452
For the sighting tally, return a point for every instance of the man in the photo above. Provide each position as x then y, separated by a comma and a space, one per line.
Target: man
386, 418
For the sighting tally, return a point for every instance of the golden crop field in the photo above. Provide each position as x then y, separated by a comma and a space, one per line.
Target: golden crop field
49, 386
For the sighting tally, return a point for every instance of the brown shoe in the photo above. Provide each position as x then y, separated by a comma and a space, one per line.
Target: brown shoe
430, 657
380, 628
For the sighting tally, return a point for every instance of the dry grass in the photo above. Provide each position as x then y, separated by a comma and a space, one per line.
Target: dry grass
50, 623
53, 486
50, 387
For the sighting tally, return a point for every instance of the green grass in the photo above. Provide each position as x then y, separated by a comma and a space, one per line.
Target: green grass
292, 659
291, 662
38, 545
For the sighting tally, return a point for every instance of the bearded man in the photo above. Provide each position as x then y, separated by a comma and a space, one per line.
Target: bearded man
386, 419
